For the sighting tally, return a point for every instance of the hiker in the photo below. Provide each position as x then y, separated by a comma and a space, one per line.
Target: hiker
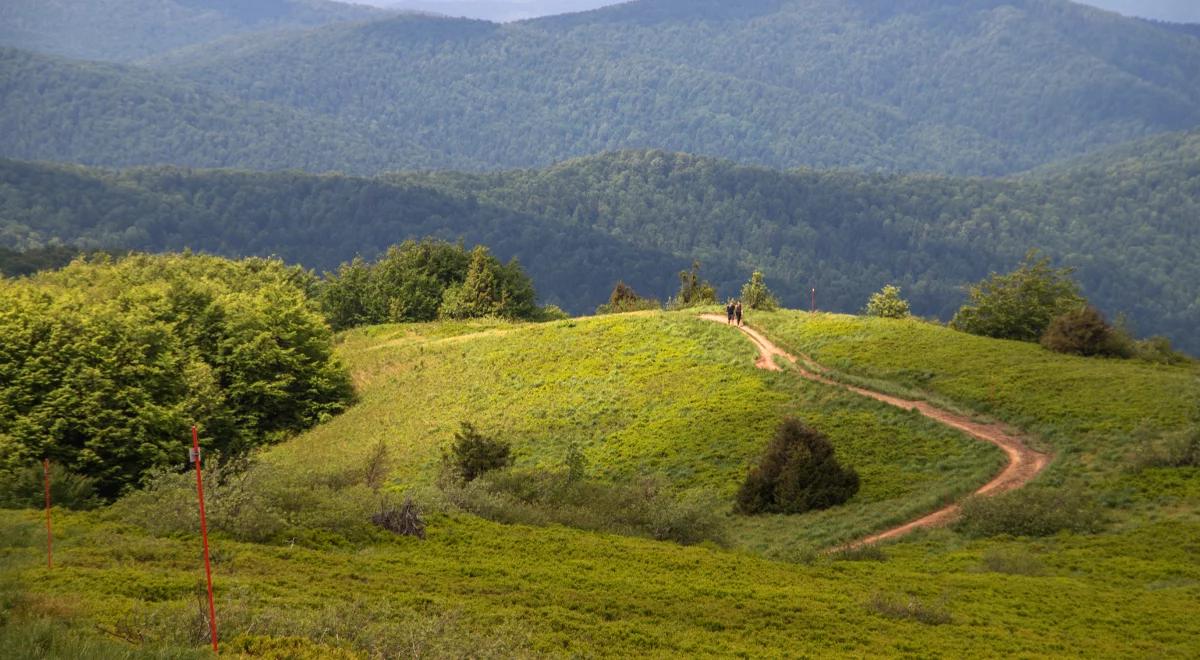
737, 311
729, 312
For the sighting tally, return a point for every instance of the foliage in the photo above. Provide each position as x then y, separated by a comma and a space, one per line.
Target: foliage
909, 607
1180, 449
643, 506
577, 230
473, 453
107, 362
624, 299
420, 281
888, 304
21, 488
1030, 511
756, 295
1013, 561
1021, 304
693, 291
418, 91
1084, 331
797, 473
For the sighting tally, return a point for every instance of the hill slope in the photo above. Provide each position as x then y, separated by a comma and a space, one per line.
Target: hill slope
127, 30
480, 588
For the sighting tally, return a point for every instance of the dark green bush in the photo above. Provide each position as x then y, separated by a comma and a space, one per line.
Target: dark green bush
25, 488
474, 453
1030, 512
624, 299
1084, 331
798, 473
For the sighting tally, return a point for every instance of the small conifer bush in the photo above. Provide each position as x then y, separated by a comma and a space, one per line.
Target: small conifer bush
474, 453
798, 473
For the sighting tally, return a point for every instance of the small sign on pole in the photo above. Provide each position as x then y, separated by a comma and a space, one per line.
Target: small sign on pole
49, 531
194, 457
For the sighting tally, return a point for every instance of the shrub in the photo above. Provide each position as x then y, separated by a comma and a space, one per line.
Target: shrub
1178, 450
1020, 304
1030, 512
693, 291
798, 473
1083, 331
909, 607
473, 453
24, 488
888, 304
756, 295
624, 299
405, 520
870, 552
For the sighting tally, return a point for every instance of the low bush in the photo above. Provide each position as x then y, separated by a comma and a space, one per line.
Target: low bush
888, 304
474, 453
1084, 331
645, 506
911, 608
1030, 512
1174, 451
404, 520
624, 299
870, 552
798, 473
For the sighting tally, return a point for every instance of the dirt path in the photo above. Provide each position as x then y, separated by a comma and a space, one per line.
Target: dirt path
1023, 463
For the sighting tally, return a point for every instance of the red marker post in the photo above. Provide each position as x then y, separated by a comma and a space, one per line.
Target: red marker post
49, 532
212, 610
813, 303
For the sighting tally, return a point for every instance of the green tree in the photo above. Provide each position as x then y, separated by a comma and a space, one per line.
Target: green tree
1019, 305
473, 453
756, 295
887, 303
694, 291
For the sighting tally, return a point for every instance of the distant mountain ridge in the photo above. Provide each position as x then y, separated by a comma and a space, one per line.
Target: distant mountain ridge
128, 30
1127, 222
983, 87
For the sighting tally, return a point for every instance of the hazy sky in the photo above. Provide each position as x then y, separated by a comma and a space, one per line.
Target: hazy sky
1182, 11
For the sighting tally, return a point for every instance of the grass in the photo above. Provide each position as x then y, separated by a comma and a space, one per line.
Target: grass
667, 394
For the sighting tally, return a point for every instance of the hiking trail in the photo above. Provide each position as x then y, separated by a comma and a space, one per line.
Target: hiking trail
1023, 463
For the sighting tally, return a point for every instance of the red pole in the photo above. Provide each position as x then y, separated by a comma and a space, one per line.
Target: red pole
813, 303
212, 610
49, 532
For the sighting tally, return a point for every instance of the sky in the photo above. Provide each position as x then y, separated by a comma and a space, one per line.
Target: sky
1180, 11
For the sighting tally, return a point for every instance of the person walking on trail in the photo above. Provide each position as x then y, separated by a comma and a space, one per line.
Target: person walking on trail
729, 309
737, 311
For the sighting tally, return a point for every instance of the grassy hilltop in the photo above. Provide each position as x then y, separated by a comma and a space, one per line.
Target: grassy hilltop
670, 395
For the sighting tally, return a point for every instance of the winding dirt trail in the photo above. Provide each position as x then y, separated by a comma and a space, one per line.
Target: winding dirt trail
1023, 463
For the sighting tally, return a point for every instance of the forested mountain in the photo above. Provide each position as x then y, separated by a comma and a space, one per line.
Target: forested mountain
977, 87
106, 114
127, 30
1127, 222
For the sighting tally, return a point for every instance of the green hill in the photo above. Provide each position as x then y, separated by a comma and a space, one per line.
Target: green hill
127, 30
1125, 220
982, 87
652, 392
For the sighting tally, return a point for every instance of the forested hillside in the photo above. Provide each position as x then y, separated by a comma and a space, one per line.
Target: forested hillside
104, 114
126, 30
915, 85
1126, 221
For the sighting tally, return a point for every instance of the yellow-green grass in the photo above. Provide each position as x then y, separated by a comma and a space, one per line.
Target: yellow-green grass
563, 592
645, 392
640, 393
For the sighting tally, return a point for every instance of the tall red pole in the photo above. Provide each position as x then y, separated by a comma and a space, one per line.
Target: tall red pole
49, 532
212, 610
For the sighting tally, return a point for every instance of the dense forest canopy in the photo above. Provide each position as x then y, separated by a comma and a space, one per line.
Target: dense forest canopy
1126, 221
898, 86
127, 30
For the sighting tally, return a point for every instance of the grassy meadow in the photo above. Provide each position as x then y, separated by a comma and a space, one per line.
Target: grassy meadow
663, 394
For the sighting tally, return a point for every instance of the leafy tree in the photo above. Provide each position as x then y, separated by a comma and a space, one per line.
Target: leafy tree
887, 303
1019, 305
798, 473
106, 363
474, 453
624, 299
756, 295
